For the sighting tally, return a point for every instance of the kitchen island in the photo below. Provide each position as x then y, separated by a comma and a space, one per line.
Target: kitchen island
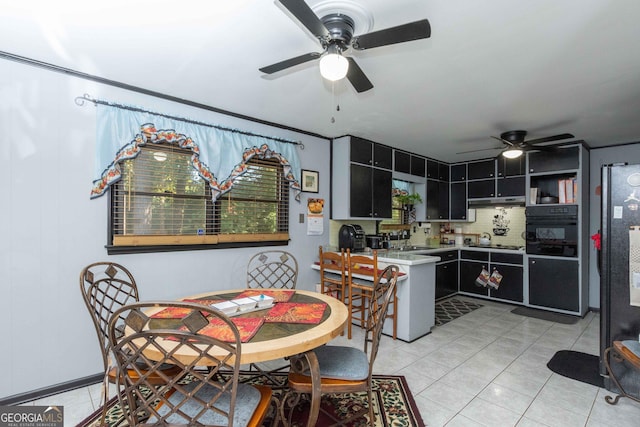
415, 292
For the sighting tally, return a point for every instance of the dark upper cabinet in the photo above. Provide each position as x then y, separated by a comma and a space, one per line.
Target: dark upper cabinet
418, 167
370, 194
437, 199
458, 200
511, 167
481, 170
459, 172
437, 170
555, 160
481, 189
381, 203
511, 186
401, 161
370, 153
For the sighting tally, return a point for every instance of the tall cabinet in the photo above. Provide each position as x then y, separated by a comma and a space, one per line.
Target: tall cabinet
361, 179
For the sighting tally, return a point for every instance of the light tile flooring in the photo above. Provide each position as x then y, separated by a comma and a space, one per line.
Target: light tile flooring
486, 368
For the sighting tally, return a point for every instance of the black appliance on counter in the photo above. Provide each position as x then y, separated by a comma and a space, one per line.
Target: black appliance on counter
552, 230
619, 319
351, 236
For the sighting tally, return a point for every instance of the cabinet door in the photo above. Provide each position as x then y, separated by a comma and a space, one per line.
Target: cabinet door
443, 200
361, 190
512, 186
446, 279
481, 189
401, 161
554, 283
469, 271
418, 167
432, 169
511, 285
511, 167
481, 170
458, 172
458, 200
361, 151
557, 160
433, 197
443, 172
382, 156
382, 183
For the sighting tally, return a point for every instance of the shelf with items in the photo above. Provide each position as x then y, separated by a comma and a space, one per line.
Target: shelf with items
562, 188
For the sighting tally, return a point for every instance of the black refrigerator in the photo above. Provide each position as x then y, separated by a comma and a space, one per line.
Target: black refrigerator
619, 317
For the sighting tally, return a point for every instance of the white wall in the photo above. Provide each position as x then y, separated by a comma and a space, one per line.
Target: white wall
50, 229
603, 156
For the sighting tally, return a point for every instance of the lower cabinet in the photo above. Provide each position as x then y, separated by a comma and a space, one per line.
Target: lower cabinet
469, 272
511, 286
554, 283
447, 274
508, 265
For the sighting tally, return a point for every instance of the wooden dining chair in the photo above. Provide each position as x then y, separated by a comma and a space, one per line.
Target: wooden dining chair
333, 274
272, 269
105, 287
206, 390
344, 369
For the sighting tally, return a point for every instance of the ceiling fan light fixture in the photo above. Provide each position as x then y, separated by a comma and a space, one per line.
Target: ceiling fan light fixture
512, 153
333, 66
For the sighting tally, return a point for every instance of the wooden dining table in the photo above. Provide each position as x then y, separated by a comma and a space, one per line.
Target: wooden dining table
275, 340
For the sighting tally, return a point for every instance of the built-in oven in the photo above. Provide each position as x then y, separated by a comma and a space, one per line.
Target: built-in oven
552, 230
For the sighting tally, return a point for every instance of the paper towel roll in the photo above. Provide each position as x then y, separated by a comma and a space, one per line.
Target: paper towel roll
458, 230
458, 240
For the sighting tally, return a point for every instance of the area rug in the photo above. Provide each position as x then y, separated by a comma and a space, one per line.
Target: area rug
546, 315
451, 309
391, 396
577, 366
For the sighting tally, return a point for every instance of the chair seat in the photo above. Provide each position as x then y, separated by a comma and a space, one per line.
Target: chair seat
155, 378
342, 363
250, 407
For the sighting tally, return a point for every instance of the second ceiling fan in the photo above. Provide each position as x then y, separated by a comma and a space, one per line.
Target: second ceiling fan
514, 144
335, 34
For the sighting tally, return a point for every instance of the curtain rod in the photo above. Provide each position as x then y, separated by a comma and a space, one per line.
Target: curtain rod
80, 100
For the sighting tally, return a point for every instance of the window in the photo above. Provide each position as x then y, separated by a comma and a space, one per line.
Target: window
162, 201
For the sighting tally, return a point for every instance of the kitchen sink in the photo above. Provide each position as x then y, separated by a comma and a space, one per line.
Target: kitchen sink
413, 248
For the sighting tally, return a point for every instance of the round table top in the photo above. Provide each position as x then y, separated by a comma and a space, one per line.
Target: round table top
288, 340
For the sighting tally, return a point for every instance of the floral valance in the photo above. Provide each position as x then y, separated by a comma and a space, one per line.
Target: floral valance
219, 155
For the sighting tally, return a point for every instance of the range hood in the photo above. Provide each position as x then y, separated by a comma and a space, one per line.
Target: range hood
497, 201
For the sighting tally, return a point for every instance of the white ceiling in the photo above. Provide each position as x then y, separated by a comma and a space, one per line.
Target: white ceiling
545, 66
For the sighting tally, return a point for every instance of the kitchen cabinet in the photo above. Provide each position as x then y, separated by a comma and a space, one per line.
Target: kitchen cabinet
555, 160
511, 167
401, 161
458, 172
361, 179
512, 283
437, 170
437, 200
447, 274
469, 271
511, 186
481, 189
481, 170
458, 201
370, 192
418, 166
554, 283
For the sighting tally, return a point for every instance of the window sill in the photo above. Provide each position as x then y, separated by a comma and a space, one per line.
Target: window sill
122, 250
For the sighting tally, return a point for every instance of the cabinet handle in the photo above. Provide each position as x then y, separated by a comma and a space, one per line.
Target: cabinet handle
533, 262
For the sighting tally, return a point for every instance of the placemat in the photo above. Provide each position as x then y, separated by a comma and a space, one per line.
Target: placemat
179, 313
247, 326
293, 312
279, 295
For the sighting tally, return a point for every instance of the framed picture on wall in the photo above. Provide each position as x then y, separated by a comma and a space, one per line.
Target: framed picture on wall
309, 181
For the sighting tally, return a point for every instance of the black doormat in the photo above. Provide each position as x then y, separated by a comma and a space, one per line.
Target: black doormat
578, 366
546, 315
453, 308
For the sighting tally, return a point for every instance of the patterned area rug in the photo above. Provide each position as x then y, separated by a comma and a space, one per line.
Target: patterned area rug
453, 308
392, 398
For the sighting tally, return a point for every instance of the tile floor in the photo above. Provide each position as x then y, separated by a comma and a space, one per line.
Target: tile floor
486, 368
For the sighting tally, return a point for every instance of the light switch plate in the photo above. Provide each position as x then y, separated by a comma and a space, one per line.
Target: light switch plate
301, 218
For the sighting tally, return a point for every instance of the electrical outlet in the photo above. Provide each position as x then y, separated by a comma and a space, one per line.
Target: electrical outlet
301, 218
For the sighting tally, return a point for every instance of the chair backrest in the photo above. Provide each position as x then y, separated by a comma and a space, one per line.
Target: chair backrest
362, 264
204, 391
383, 289
106, 286
272, 270
333, 269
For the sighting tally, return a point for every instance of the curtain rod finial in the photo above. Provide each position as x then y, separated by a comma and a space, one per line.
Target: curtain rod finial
80, 100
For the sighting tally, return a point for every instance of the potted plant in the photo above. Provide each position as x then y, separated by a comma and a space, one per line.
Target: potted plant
408, 200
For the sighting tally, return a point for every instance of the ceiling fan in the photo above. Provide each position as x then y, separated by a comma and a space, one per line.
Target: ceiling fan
514, 144
335, 34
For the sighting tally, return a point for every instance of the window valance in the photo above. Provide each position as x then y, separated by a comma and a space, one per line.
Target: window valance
219, 155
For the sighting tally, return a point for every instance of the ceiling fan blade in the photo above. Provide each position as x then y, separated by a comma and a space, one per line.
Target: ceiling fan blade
503, 140
279, 66
402, 33
481, 149
550, 138
306, 16
357, 77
